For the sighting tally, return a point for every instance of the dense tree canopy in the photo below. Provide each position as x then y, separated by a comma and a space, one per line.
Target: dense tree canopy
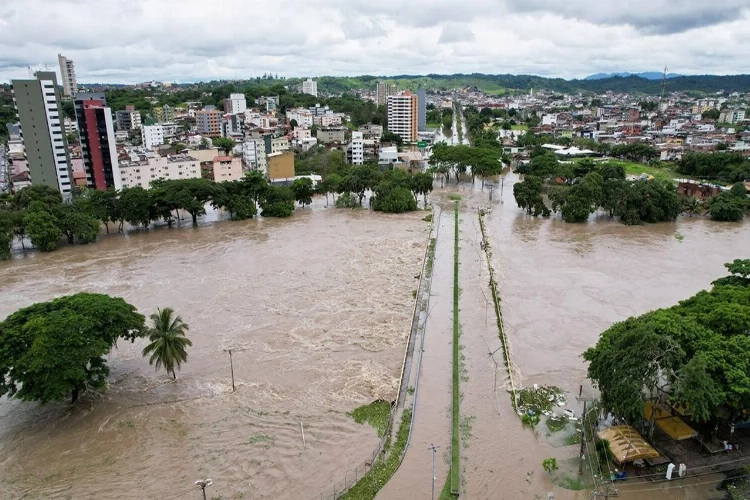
696, 354
53, 350
725, 167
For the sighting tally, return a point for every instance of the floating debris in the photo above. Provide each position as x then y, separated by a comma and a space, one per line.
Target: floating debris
540, 399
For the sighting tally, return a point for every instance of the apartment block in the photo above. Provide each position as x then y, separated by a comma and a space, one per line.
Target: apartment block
227, 168
37, 103
164, 114
150, 167
208, 122
310, 86
279, 144
128, 119
402, 115
355, 152
236, 103
68, 75
333, 134
254, 155
152, 136
98, 143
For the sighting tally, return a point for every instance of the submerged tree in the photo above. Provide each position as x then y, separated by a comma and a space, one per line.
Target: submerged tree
53, 350
168, 347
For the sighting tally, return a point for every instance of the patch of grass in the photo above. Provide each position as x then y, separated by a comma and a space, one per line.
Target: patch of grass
410, 391
454, 197
446, 494
414, 294
679, 236
572, 439
126, 423
632, 168
519, 127
432, 125
572, 483
427, 218
381, 471
430, 257
376, 414
556, 423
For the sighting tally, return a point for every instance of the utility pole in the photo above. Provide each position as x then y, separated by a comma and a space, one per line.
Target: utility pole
583, 440
202, 484
491, 186
502, 185
231, 368
434, 449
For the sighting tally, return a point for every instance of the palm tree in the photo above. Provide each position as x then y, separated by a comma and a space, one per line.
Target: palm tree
168, 345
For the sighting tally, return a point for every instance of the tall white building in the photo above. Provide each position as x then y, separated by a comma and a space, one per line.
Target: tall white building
310, 86
128, 119
254, 155
355, 152
236, 103
68, 75
152, 135
402, 115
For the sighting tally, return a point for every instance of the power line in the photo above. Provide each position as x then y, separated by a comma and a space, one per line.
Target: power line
680, 485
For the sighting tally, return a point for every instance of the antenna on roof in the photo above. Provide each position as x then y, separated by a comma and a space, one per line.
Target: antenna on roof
663, 86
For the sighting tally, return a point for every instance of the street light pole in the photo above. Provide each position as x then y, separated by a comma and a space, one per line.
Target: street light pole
434, 449
231, 368
202, 484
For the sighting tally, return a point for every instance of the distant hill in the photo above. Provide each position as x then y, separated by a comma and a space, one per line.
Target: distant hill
648, 75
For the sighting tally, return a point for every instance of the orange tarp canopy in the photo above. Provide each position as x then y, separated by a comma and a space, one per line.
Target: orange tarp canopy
626, 444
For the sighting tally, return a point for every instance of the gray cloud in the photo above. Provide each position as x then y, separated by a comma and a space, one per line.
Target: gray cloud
455, 33
186, 40
650, 16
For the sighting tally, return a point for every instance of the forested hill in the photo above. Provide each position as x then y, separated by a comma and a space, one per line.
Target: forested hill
499, 84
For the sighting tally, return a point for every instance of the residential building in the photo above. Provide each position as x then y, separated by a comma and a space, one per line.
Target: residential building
150, 167
128, 119
169, 130
303, 117
402, 115
70, 126
68, 75
300, 133
392, 90
226, 168
332, 134
421, 109
164, 114
236, 103
280, 166
37, 103
355, 152
208, 122
254, 155
98, 144
328, 120
152, 136
279, 144
732, 115
371, 131
310, 86
381, 93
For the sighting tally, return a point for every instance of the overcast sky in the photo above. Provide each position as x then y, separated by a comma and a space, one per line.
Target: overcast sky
130, 41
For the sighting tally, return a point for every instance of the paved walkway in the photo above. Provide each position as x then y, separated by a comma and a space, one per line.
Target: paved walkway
431, 421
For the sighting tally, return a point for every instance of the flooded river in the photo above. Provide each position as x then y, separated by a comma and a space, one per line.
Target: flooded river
317, 309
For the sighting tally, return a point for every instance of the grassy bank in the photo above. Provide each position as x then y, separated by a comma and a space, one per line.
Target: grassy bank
381, 471
498, 311
455, 433
632, 168
376, 414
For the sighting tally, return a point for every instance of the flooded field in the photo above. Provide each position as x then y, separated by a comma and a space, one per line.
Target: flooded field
317, 310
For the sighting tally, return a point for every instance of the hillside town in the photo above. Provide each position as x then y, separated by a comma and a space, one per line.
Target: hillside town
97, 146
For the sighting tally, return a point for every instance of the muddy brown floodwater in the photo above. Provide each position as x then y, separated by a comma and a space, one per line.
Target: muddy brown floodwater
317, 309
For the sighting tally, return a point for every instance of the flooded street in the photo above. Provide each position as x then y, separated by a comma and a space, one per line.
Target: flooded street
317, 310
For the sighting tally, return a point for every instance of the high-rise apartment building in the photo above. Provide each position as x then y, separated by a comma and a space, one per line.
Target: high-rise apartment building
98, 149
402, 115
164, 114
208, 122
37, 103
310, 86
236, 103
355, 152
382, 91
68, 75
421, 109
